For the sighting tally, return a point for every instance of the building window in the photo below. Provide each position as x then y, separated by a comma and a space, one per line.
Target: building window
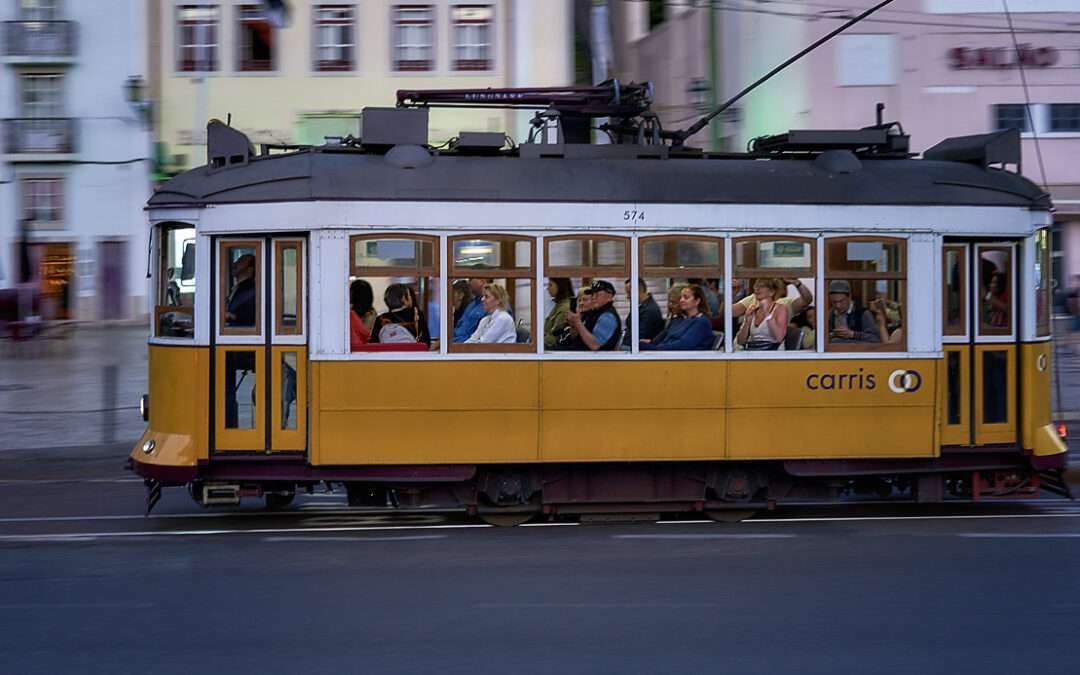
334, 42
472, 37
43, 200
198, 35
41, 95
255, 40
39, 10
656, 13
414, 27
1065, 117
1010, 116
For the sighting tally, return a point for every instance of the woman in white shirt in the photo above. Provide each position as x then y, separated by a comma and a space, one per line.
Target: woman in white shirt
497, 326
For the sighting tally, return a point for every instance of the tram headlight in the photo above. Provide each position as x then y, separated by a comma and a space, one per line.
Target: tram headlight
148, 446
144, 407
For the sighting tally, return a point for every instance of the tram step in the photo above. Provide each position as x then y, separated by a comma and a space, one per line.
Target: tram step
221, 495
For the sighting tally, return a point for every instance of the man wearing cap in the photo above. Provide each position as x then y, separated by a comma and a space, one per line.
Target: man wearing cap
848, 320
598, 328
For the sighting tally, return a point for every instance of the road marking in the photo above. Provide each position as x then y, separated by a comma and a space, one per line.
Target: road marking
593, 605
418, 537
87, 536
756, 521
77, 605
703, 536
1018, 535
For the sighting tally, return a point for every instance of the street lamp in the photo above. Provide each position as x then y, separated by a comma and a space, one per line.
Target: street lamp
135, 94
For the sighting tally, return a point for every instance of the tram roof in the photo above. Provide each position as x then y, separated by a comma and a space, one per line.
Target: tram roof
333, 173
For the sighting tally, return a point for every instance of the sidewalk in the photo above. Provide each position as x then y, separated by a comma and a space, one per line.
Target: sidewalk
59, 395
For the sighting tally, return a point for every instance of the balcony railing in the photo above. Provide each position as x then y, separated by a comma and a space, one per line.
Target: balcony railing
39, 39
35, 136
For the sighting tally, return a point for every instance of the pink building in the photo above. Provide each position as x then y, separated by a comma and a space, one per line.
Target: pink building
941, 67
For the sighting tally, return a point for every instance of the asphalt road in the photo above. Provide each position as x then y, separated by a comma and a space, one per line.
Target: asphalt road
87, 585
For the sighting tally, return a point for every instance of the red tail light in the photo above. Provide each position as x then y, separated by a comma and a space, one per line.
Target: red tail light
1062, 431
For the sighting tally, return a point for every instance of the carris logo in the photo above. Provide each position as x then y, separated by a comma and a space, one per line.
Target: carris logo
905, 381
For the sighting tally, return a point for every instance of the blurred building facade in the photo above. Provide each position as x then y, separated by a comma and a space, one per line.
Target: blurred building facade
942, 68
309, 80
75, 156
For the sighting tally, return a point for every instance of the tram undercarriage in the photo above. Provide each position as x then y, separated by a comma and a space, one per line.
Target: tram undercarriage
728, 491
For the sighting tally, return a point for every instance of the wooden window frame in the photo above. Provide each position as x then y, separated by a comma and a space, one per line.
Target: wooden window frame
224, 271
665, 272
588, 271
773, 272
279, 286
899, 276
184, 64
454, 272
472, 65
1010, 329
1044, 296
962, 250
418, 271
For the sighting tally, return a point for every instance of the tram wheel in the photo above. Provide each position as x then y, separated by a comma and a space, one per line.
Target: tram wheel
277, 500
730, 515
505, 519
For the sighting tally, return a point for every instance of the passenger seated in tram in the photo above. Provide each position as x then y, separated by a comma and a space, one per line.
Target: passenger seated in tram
888, 318
996, 301
497, 326
692, 330
561, 291
674, 311
710, 293
240, 303
460, 297
795, 303
805, 324
599, 328
766, 322
473, 312
361, 314
404, 322
848, 320
650, 320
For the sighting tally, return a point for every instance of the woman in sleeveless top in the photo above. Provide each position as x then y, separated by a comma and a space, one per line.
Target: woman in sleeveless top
765, 324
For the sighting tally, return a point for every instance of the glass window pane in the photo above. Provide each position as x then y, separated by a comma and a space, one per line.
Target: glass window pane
866, 312
756, 325
174, 315
398, 313
392, 253
240, 394
288, 390
493, 311
995, 291
484, 254
677, 314
773, 254
586, 253
995, 391
954, 299
289, 318
864, 256
241, 286
681, 253
953, 413
605, 312
1043, 282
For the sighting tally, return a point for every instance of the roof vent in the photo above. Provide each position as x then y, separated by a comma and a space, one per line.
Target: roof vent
838, 161
409, 157
383, 128
226, 147
999, 147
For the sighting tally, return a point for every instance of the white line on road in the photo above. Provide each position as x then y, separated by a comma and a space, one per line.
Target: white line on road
1018, 535
418, 537
593, 605
703, 536
756, 521
85, 536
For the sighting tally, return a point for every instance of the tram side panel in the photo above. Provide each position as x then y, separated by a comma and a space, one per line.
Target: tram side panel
1039, 434
179, 400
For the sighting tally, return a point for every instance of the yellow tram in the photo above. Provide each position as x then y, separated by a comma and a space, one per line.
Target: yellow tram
945, 396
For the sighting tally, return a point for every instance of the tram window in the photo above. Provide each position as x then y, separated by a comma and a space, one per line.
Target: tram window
955, 300
394, 301
288, 293
240, 394
597, 268
767, 271
995, 290
679, 279
288, 390
174, 314
1043, 283
865, 279
241, 283
953, 414
492, 293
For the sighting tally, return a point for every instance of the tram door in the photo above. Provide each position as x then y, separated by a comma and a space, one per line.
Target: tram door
979, 335
259, 402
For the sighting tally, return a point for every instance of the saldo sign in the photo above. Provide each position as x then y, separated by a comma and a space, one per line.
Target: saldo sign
966, 58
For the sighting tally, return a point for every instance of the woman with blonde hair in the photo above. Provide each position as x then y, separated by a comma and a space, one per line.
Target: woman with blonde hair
497, 326
765, 325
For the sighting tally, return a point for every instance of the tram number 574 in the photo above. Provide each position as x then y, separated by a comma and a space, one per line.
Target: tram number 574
633, 216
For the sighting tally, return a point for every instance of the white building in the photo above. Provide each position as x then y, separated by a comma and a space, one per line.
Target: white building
75, 157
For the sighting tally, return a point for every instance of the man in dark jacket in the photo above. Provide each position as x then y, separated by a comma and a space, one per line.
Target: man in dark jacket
848, 320
240, 304
650, 320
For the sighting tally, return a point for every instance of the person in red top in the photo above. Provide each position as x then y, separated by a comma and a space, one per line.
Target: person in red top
362, 314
